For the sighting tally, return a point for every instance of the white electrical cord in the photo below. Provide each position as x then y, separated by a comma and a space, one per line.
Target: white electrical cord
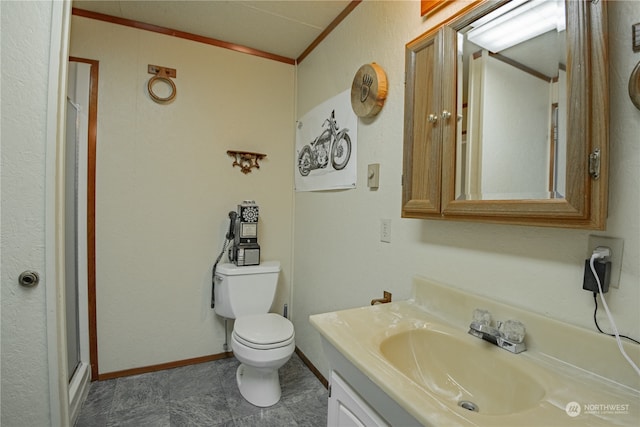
600, 253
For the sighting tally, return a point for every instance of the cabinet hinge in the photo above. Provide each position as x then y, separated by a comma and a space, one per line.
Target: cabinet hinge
402, 180
594, 164
329, 390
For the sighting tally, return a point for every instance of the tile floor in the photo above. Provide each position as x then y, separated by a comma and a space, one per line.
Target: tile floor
203, 395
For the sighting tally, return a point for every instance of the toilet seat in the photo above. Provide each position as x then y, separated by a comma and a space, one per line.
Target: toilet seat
263, 331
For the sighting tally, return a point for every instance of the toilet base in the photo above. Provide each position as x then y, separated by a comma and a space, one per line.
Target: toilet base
260, 387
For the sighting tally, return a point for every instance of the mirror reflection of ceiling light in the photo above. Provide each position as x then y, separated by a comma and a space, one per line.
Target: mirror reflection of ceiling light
506, 28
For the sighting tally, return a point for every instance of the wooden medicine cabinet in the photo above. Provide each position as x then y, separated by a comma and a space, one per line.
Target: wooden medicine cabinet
509, 133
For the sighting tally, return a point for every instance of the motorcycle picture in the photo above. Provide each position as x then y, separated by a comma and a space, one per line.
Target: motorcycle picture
333, 144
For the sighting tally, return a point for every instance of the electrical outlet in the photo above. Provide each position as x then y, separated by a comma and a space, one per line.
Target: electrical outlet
385, 230
616, 245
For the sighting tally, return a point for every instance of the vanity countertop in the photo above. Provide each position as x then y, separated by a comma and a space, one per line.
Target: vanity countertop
555, 360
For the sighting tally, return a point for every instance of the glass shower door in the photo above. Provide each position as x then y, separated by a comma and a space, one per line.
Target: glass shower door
71, 239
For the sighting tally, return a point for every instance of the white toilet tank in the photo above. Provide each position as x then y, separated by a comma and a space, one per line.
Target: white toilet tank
240, 291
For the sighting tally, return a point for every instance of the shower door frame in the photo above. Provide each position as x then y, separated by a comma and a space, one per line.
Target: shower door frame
91, 211
86, 368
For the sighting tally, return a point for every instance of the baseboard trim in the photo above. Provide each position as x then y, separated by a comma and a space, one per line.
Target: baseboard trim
195, 361
163, 366
312, 368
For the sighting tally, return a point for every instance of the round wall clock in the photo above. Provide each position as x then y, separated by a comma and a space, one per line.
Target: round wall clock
369, 90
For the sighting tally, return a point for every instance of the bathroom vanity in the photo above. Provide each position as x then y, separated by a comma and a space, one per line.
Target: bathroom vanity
414, 363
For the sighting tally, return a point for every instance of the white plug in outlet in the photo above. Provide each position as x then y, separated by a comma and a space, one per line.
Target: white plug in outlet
616, 245
385, 230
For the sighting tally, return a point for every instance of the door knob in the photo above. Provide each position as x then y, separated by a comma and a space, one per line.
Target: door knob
446, 115
432, 118
29, 279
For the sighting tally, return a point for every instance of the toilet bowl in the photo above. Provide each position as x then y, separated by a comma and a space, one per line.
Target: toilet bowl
262, 344
260, 340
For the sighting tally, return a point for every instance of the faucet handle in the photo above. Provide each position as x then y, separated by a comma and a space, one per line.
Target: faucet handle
482, 317
513, 330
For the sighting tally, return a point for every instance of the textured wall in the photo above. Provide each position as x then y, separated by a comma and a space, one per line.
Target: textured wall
339, 259
165, 185
26, 30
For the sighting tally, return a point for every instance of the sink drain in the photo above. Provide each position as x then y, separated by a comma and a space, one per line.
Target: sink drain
469, 406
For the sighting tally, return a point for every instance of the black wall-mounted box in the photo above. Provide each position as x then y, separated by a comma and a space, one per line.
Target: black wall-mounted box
604, 274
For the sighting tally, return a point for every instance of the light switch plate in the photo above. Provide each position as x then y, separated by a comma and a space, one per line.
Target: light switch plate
373, 175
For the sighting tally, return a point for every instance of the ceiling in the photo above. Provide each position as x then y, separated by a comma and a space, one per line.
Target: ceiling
283, 27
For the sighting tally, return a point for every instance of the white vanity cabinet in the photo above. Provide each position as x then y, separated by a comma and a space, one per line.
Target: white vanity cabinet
355, 400
348, 409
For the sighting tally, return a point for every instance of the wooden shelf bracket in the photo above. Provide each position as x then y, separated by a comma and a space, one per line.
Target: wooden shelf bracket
246, 160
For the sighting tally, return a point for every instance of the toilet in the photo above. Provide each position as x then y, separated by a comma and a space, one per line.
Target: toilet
260, 340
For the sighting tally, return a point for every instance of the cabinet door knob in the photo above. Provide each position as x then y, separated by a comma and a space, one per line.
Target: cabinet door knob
446, 115
432, 118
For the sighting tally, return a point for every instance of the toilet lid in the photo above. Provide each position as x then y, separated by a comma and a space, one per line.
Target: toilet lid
263, 330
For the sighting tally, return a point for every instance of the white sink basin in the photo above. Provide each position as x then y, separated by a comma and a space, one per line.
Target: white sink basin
419, 354
463, 371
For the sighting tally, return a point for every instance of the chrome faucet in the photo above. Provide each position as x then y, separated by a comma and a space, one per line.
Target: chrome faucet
508, 335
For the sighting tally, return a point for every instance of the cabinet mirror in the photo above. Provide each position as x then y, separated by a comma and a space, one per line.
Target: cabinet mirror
515, 130
511, 141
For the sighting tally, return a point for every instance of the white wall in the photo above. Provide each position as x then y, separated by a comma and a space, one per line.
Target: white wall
339, 259
26, 33
165, 185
